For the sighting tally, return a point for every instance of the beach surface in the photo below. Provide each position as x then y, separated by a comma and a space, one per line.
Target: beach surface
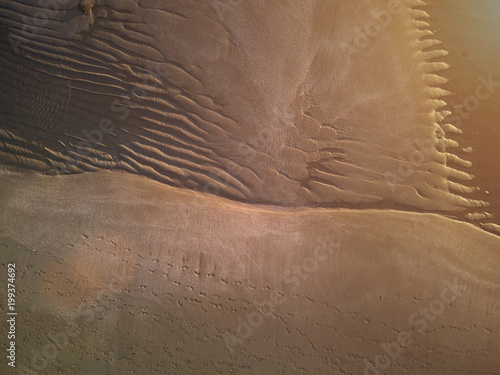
251, 187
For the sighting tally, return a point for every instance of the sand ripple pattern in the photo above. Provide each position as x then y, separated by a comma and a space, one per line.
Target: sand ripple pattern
272, 112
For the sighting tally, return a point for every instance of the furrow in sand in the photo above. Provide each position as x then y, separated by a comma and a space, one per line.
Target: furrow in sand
192, 156
159, 117
185, 164
81, 75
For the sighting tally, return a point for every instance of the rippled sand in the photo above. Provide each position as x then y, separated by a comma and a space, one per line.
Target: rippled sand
253, 187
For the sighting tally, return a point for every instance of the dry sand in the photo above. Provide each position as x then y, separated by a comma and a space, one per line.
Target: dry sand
182, 275
252, 187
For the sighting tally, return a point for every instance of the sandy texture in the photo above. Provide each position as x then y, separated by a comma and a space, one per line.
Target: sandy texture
252, 187
342, 105
183, 275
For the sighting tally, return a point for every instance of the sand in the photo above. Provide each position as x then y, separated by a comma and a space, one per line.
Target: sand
179, 277
252, 187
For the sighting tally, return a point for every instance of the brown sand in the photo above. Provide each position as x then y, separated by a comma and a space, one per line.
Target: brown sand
183, 275
244, 136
